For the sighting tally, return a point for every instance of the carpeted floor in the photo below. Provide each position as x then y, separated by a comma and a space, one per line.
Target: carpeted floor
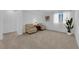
40, 40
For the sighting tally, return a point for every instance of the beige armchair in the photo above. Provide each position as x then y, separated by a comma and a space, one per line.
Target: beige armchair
30, 28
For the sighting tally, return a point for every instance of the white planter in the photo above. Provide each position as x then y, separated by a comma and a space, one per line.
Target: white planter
69, 33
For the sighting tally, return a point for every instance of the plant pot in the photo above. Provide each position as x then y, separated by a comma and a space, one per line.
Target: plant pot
69, 33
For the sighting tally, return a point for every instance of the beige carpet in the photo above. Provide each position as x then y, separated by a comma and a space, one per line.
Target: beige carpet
40, 40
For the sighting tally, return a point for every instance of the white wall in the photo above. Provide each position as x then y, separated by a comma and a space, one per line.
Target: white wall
9, 21
12, 21
19, 22
1, 25
29, 16
76, 25
57, 27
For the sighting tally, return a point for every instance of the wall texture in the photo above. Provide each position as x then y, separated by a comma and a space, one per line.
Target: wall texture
1, 25
40, 16
19, 22
29, 16
9, 21
57, 27
12, 21
76, 25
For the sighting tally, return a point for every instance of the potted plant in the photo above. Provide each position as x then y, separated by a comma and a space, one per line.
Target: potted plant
69, 26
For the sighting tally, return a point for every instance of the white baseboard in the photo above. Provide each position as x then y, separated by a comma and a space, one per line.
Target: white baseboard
1, 37
77, 39
19, 33
77, 42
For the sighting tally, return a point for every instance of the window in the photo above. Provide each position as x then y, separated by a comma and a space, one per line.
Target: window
58, 17
61, 17
56, 20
